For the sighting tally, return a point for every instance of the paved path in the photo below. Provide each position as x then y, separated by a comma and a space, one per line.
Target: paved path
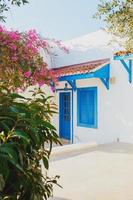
103, 173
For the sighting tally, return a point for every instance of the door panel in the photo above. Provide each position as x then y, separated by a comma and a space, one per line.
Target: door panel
65, 115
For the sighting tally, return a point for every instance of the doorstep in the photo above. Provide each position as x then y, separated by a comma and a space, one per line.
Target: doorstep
71, 149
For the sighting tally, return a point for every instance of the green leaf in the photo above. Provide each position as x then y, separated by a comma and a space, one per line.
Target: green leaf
4, 126
17, 96
49, 125
2, 183
45, 162
21, 135
4, 170
10, 154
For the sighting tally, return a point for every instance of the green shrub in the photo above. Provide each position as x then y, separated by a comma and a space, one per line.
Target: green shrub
25, 128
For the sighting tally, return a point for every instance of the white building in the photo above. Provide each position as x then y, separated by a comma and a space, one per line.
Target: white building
95, 91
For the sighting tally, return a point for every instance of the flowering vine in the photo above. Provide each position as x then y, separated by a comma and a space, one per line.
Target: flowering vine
21, 63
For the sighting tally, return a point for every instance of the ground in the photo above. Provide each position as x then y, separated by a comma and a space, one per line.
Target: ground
104, 172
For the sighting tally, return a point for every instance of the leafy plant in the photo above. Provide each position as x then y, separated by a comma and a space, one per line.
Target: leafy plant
25, 129
118, 15
5, 6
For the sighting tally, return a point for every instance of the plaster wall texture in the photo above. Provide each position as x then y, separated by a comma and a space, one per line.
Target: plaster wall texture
115, 110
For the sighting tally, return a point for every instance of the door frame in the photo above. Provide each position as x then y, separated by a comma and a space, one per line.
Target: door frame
71, 116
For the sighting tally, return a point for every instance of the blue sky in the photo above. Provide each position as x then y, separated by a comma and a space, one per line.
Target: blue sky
60, 19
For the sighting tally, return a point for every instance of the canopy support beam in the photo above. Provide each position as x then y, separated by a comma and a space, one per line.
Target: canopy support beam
127, 65
105, 81
72, 83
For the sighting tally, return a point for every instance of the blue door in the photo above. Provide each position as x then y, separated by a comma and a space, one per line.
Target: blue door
65, 115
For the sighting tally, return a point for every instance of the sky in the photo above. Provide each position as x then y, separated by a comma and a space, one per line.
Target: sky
59, 19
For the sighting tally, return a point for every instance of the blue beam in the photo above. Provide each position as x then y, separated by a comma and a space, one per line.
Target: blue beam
76, 77
125, 65
128, 67
130, 73
105, 82
72, 83
104, 75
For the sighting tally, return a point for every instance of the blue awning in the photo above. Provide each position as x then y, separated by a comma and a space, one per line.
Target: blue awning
103, 74
126, 64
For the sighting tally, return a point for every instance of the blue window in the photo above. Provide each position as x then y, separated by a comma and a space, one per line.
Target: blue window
87, 107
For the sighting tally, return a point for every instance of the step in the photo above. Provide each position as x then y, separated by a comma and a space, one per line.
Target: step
71, 148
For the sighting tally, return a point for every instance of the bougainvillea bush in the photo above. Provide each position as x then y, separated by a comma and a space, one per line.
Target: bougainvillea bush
25, 124
21, 63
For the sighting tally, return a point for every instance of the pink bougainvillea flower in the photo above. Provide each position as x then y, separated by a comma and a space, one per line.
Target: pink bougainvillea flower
14, 58
65, 49
1, 29
19, 90
14, 35
52, 89
44, 43
32, 35
13, 46
27, 74
41, 83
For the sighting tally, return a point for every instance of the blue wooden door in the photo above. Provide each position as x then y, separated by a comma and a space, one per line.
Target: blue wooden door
65, 115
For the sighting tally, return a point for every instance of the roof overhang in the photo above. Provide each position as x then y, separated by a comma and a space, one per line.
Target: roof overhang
124, 57
127, 63
103, 73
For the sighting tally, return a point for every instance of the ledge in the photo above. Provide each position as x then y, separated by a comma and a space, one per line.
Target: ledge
71, 148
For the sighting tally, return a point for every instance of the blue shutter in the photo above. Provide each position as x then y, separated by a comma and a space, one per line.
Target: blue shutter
87, 107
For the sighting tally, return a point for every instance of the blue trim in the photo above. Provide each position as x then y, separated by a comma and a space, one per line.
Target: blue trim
103, 73
130, 70
105, 82
69, 89
95, 125
72, 84
124, 57
72, 112
76, 77
64, 124
72, 118
127, 66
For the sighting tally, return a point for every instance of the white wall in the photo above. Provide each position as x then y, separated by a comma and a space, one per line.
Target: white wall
115, 109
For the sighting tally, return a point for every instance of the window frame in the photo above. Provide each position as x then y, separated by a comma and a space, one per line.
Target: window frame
95, 125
